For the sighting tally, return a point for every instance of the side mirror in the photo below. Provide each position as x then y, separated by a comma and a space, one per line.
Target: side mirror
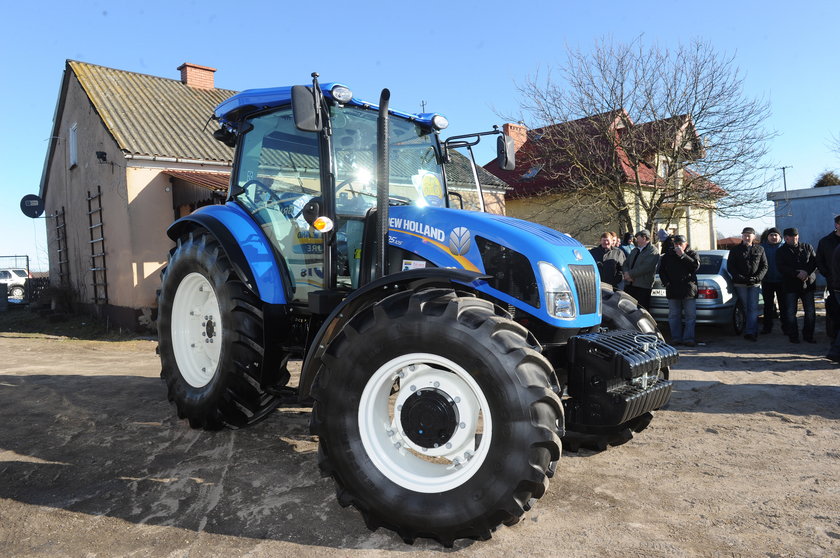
505, 152
305, 109
311, 210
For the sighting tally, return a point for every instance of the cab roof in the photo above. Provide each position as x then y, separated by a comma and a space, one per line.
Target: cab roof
247, 102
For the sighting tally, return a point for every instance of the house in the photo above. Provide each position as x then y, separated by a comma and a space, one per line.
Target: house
638, 159
129, 153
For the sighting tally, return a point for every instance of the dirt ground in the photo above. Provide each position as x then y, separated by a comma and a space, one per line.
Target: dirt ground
743, 462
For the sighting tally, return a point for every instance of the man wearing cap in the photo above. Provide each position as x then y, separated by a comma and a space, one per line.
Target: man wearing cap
747, 264
797, 263
640, 269
771, 285
678, 273
825, 253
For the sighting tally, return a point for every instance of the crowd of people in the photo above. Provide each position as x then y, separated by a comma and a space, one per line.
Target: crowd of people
778, 266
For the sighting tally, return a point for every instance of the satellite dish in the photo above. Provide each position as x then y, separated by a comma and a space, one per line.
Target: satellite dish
32, 206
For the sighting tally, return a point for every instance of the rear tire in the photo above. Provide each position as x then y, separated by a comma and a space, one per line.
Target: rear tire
210, 330
739, 319
436, 417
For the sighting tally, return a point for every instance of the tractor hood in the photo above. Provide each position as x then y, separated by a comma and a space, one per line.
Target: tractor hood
517, 255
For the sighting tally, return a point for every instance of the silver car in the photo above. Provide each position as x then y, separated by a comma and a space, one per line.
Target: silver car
15, 280
717, 302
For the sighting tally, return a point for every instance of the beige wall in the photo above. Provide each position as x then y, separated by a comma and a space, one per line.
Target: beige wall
137, 209
494, 199
69, 188
585, 221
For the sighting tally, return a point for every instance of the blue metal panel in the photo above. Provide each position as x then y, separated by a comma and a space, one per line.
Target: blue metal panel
272, 97
446, 237
254, 245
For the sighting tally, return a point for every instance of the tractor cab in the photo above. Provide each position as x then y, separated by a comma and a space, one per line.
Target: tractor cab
307, 171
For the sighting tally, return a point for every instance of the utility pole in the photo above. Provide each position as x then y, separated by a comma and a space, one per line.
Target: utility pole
422, 106
784, 176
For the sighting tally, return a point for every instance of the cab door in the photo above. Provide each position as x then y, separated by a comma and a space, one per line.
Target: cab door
278, 172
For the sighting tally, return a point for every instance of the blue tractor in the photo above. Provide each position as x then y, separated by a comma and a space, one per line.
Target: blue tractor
445, 352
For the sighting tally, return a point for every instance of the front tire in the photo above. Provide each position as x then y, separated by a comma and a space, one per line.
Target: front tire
436, 417
210, 334
16, 292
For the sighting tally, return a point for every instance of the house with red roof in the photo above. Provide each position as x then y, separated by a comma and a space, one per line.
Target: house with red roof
606, 173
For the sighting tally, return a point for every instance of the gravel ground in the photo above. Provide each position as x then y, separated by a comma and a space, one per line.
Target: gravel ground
742, 462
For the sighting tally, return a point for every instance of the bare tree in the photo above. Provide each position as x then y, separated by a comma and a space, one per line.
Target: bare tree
649, 129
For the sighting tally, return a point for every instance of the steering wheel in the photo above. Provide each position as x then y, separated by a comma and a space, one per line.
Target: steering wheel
272, 195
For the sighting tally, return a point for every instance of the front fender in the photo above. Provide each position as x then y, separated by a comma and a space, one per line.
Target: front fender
369, 295
248, 249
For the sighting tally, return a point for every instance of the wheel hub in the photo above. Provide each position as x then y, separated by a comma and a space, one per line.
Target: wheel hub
429, 418
210, 328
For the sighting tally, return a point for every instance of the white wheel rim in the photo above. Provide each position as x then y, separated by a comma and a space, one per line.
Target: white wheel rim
196, 330
398, 457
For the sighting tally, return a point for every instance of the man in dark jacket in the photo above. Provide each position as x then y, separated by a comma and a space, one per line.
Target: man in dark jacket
797, 263
825, 252
640, 269
609, 259
834, 286
678, 273
771, 285
747, 265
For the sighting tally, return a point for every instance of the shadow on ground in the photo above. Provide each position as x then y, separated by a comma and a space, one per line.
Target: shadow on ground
110, 445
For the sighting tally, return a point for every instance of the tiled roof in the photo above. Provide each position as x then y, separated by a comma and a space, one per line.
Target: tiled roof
154, 116
526, 183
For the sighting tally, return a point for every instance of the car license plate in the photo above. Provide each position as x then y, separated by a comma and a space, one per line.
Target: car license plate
657, 292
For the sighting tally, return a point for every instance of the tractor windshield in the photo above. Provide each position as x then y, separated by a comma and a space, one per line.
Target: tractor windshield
415, 177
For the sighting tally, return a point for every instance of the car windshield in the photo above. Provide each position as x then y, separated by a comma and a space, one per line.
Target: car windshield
709, 264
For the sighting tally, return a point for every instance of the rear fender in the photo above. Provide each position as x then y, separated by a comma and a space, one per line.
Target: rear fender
246, 246
369, 295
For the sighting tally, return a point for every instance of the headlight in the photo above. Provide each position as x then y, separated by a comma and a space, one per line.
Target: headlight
440, 122
560, 301
341, 94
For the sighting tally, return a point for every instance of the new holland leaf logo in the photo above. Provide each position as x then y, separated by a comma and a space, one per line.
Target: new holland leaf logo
460, 241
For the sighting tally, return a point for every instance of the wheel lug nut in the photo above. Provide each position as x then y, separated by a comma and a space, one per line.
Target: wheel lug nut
413, 388
463, 425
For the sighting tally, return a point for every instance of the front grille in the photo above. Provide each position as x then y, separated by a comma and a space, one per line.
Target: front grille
587, 286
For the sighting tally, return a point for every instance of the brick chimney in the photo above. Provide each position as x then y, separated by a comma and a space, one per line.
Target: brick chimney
518, 132
200, 77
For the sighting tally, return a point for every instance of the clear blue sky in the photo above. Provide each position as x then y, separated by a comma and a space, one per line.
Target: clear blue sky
462, 58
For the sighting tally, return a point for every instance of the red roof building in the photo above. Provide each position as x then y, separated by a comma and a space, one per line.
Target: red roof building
557, 163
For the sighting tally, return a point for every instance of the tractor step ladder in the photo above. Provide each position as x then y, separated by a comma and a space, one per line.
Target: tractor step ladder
99, 275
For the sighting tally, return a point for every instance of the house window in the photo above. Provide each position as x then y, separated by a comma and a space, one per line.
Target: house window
663, 168
72, 147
